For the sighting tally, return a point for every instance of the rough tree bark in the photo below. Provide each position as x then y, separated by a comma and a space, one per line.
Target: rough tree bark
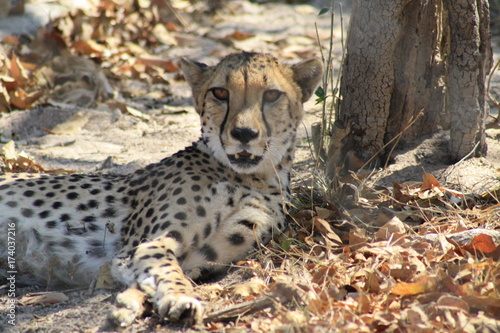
405, 56
470, 61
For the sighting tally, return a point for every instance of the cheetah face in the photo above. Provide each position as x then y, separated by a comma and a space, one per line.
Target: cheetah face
250, 107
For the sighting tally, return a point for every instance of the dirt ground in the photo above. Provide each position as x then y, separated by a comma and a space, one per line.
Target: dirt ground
102, 139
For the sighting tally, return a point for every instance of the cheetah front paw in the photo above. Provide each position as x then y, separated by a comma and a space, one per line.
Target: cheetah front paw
131, 305
179, 308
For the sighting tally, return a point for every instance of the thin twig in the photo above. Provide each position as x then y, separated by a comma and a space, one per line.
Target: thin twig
239, 310
461, 160
178, 16
412, 121
491, 98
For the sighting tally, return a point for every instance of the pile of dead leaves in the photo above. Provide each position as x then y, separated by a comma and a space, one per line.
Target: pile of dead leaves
73, 59
13, 161
433, 266
96, 53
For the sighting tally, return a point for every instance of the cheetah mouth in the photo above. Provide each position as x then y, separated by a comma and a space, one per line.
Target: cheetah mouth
244, 159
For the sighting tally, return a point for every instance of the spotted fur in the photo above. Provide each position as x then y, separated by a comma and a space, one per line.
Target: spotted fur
183, 218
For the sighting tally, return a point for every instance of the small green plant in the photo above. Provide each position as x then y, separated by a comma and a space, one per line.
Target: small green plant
327, 93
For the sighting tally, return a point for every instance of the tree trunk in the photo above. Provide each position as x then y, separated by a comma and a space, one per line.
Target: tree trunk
403, 57
470, 62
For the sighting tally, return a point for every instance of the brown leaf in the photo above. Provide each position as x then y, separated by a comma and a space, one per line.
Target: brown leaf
429, 182
249, 263
483, 243
392, 227
4, 100
357, 238
254, 287
402, 274
22, 100
324, 227
449, 301
11, 39
490, 304
365, 303
166, 65
323, 212
171, 26
239, 35
304, 219
44, 298
287, 292
353, 162
18, 72
422, 285
105, 279
88, 47
372, 282
397, 191
23, 164
448, 283
322, 274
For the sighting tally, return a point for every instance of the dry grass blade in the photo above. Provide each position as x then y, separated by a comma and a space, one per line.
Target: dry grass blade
238, 310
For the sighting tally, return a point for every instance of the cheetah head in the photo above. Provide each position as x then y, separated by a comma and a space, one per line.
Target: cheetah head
250, 107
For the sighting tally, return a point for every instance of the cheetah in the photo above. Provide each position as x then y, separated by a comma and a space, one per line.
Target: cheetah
187, 217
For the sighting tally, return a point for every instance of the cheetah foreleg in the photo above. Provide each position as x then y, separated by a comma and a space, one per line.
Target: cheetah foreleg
159, 275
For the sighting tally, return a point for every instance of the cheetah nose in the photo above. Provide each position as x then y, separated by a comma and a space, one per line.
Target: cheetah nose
244, 134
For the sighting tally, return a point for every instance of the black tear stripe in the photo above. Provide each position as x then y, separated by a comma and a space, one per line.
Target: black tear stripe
268, 128
223, 124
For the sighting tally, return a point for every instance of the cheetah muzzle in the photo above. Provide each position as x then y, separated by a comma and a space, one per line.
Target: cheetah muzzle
244, 159
189, 215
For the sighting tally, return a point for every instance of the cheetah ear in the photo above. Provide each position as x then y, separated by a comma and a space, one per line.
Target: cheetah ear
307, 74
194, 72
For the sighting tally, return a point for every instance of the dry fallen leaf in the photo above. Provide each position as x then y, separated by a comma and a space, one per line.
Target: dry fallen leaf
239, 35
423, 284
4, 99
88, 47
44, 298
18, 72
323, 212
105, 279
393, 226
254, 287
23, 100
11, 39
429, 182
357, 238
166, 65
489, 304
250, 263
72, 125
161, 32
449, 301
324, 227
9, 151
483, 243
18, 162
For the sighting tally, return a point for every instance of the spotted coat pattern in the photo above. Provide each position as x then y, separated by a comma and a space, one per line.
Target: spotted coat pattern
190, 215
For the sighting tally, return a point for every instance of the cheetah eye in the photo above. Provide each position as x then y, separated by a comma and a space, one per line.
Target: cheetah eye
220, 94
271, 96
